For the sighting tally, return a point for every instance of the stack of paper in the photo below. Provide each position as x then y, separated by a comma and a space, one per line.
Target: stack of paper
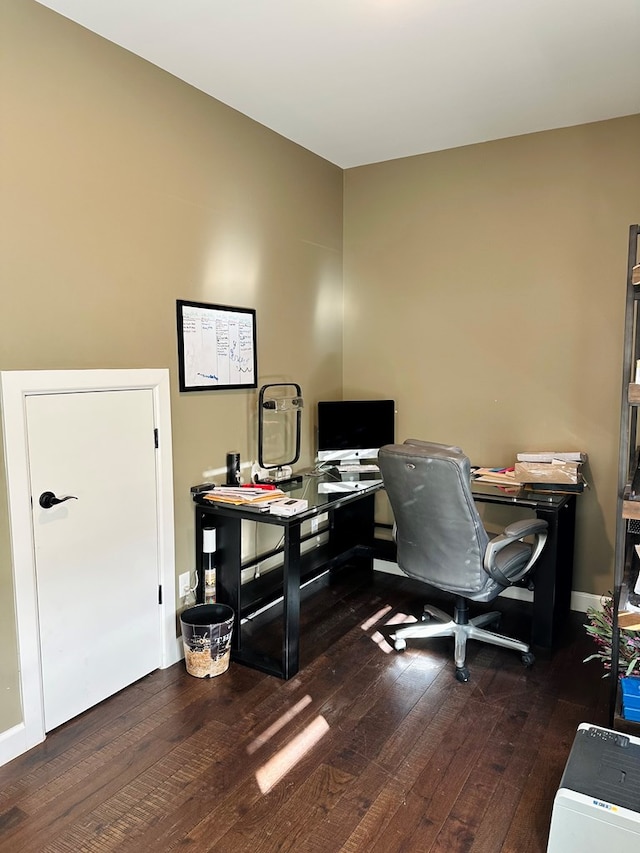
553, 455
243, 495
553, 470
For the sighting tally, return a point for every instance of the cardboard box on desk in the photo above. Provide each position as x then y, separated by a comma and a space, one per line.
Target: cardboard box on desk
548, 472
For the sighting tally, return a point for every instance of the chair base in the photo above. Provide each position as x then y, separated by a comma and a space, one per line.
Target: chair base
461, 628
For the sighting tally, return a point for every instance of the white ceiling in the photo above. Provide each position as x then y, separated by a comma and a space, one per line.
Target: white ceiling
361, 81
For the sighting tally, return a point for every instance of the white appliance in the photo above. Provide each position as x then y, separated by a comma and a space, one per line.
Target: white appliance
597, 807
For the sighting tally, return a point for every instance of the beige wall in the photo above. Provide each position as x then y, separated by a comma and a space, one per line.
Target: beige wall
123, 189
484, 286
484, 291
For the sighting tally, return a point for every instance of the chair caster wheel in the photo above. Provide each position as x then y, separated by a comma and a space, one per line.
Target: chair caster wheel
528, 659
462, 674
399, 644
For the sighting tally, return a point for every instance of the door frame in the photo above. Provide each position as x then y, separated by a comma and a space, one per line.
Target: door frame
15, 386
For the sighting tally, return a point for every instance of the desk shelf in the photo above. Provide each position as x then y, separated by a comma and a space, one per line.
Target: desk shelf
627, 565
267, 588
631, 510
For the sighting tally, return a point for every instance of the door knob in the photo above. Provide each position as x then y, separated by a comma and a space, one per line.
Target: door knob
48, 499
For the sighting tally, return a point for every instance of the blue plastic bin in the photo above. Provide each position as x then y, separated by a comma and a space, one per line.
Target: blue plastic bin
631, 697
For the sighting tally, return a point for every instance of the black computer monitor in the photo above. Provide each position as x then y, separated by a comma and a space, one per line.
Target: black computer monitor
353, 430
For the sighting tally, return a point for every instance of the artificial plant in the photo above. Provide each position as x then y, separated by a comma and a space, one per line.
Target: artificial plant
600, 628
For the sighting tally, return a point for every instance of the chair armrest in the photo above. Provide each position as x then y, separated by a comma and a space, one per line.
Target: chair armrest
515, 532
525, 527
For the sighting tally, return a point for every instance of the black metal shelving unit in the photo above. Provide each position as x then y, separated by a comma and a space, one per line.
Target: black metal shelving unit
626, 564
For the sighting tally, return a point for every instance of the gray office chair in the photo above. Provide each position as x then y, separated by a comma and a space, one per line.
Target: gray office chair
441, 540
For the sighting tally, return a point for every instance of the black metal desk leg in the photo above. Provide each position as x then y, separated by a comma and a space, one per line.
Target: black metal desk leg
544, 585
553, 575
564, 564
291, 604
353, 525
229, 571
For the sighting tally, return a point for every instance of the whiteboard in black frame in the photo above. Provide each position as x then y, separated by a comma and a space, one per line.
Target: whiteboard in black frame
216, 346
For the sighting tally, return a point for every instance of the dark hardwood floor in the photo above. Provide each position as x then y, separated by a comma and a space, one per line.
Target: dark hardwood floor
365, 750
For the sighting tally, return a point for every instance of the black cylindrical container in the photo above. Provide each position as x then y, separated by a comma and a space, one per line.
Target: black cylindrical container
233, 469
206, 637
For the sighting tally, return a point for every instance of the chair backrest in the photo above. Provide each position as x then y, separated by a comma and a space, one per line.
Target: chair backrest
440, 537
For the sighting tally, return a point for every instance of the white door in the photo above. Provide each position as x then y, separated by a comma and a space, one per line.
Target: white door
96, 553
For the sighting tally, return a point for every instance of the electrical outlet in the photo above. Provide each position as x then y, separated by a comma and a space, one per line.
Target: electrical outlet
184, 584
319, 521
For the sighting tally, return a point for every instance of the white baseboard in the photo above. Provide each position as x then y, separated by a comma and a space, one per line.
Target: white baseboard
14, 742
178, 653
580, 601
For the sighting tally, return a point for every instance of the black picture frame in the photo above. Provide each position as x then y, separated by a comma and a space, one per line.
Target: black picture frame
216, 346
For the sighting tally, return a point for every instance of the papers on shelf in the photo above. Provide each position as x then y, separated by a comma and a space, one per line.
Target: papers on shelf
496, 476
552, 470
554, 479
629, 619
556, 471
243, 496
552, 456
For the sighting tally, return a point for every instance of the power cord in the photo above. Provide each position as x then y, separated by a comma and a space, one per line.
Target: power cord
190, 593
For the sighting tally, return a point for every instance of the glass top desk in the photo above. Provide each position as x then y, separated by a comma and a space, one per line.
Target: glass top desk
350, 536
